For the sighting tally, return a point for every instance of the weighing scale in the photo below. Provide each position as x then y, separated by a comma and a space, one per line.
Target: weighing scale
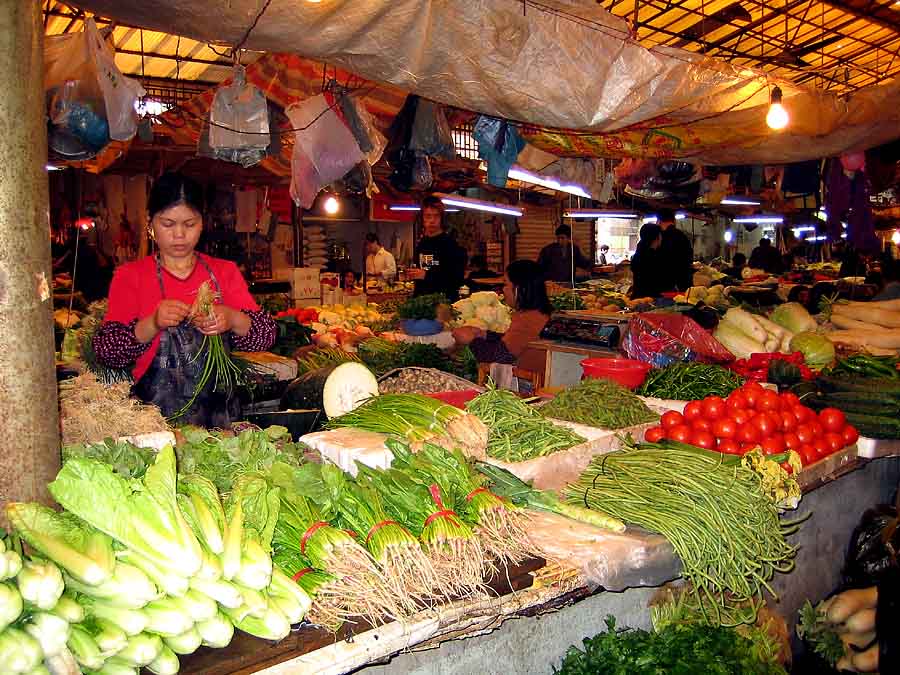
585, 327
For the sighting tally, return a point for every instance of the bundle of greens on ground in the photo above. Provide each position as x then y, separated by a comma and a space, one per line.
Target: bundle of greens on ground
689, 382
692, 648
359, 508
717, 513
304, 529
417, 419
518, 431
419, 504
599, 403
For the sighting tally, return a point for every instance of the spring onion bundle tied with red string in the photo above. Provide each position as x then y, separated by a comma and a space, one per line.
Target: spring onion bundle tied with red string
418, 419
329, 595
303, 528
219, 364
452, 548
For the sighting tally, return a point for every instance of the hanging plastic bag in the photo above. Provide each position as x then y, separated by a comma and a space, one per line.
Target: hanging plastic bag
661, 339
244, 157
324, 148
874, 548
499, 144
362, 125
239, 122
431, 132
88, 96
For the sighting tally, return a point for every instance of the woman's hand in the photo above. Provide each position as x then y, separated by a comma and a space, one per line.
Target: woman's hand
853, 615
465, 334
221, 320
170, 313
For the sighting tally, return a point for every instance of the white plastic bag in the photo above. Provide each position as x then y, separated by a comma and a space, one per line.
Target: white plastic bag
324, 148
239, 122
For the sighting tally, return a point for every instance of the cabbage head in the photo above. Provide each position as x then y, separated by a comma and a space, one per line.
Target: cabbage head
817, 350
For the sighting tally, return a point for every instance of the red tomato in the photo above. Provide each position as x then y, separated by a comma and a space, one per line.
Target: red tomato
654, 434
832, 419
765, 425
789, 398
740, 415
671, 419
803, 414
773, 445
703, 439
748, 434
791, 441
725, 428
850, 434
807, 454
768, 401
752, 391
702, 424
693, 410
816, 426
805, 434
823, 449
788, 420
713, 407
728, 446
835, 441
736, 400
681, 433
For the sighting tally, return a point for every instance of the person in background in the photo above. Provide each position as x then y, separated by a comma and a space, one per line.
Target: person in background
442, 262
601, 260
380, 263
676, 254
890, 274
556, 259
738, 263
853, 264
646, 264
480, 270
149, 326
525, 292
348, 281
766, 257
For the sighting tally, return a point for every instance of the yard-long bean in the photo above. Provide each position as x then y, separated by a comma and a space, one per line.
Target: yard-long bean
599, 403
690, 382
711, 508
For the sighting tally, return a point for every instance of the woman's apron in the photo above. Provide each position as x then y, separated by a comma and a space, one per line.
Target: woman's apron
176, 369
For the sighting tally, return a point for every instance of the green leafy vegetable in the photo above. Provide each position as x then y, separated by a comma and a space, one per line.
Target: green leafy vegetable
126, 459
815, 629
422, 306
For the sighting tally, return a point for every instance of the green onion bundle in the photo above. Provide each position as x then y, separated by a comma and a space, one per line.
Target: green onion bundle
329, 607
599, 403
219, 363
302, 527
454, 551
518, 432
716, 514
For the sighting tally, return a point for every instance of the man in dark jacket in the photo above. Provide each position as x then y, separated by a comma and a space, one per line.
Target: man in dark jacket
442, 262
556, 259
766, 257
676, 253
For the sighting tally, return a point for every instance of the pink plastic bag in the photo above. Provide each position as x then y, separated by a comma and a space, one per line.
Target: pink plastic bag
661, 339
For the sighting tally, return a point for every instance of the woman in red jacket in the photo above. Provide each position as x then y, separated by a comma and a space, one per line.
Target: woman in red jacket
149, 326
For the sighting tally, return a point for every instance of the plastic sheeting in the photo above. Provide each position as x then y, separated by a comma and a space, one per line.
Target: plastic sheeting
556, 63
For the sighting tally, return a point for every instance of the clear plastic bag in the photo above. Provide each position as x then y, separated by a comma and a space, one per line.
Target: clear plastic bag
239, 122
324, 148
431, 132
662, 339
362, 125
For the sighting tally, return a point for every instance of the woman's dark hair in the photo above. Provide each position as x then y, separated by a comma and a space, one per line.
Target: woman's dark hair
649, 233
172, 189
739, 259
527, 278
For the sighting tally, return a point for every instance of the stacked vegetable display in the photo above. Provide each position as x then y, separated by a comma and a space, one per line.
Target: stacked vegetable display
867, 325
751, 417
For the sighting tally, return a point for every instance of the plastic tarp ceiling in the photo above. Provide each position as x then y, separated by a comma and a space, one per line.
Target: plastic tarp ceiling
565, 64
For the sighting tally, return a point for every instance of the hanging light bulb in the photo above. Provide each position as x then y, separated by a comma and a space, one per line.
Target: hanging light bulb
729, 236
332, 206
895, 238
777, 118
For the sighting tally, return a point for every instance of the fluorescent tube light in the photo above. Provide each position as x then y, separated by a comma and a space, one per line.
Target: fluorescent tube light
737, 200
759, 220
598, 213
520, 174
478, 205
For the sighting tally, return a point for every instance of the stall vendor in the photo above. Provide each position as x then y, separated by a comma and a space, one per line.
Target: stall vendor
149, 326
380, 263
556, 260
526, 293
676, 254
646, 266
442, 262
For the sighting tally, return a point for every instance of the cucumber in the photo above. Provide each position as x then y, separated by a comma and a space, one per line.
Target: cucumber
853, 404
875, 385
875, 426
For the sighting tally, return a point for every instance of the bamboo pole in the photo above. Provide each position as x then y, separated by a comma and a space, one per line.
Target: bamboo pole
29, 426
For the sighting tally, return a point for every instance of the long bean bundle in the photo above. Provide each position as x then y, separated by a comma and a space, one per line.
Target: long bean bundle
517, 431
599, 403
690, 381
713, 510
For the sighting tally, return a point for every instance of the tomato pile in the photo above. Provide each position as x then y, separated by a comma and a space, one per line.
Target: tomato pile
753, 416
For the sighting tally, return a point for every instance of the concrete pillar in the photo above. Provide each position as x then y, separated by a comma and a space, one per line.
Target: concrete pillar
29, 426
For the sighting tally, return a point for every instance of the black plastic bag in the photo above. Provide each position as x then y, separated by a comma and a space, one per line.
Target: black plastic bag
874, 547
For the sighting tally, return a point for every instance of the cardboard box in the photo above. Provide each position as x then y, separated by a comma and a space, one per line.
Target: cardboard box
305, 283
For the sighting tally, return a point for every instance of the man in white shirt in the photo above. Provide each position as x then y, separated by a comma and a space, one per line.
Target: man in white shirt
379, 261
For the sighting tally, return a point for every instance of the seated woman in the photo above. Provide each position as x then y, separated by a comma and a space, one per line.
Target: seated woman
525, 293
149, 326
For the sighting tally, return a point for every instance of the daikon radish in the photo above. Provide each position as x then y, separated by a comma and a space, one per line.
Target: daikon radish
771, 327
890, 305
867, 314
887, 339
846, 322
746, 323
